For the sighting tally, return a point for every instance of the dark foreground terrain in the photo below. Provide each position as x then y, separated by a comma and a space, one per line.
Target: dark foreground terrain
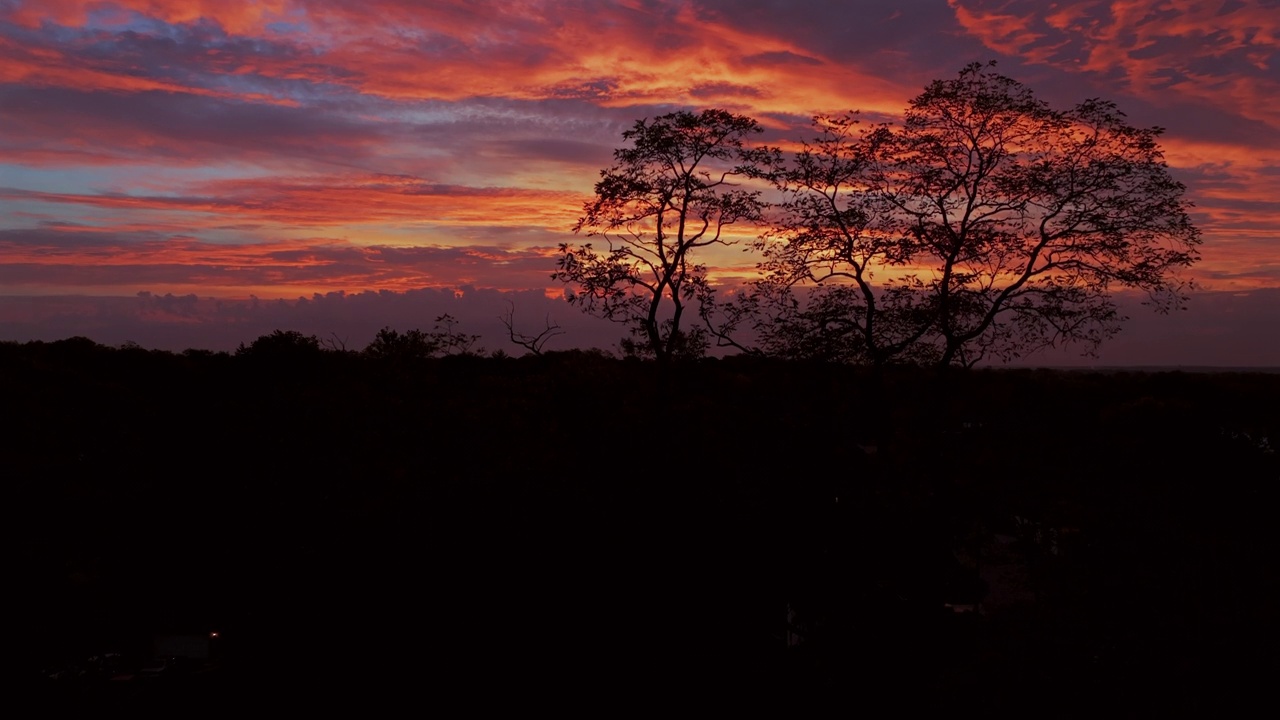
578, 533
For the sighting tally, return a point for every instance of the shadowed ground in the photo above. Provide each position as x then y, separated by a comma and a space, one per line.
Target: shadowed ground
570, 530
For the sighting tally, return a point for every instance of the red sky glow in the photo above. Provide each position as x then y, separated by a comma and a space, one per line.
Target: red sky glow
352, 158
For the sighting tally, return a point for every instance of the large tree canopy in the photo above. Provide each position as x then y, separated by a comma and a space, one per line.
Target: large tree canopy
673, 192
985, 225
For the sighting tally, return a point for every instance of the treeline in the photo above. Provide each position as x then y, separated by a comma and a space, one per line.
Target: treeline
654, 525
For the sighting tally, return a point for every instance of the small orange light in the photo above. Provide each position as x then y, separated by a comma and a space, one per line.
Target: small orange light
213, 634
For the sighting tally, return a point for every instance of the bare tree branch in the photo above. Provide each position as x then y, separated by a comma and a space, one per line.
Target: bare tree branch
532, 343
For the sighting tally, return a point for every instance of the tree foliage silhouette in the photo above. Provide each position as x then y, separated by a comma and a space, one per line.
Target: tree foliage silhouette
444, 339
281, 345
392, 345
674, 192
986, 225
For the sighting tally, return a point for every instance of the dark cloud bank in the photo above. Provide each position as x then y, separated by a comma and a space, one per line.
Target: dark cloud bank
1221, 329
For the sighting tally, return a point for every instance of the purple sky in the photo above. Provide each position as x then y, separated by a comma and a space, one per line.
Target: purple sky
194, 174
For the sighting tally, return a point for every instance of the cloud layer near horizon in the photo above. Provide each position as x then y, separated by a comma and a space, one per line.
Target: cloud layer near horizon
1228, 330
290, 147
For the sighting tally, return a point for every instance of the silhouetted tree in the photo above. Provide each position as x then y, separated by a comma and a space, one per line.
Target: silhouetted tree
444, 339
987, 225
283, 344
333, 343
673, 192
453, 342
532, 343
391, 344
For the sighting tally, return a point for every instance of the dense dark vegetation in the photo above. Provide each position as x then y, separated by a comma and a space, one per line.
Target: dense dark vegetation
570, 528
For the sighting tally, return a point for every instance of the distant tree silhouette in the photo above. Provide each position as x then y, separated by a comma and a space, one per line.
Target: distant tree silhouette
334, 343
532, 343
391, 344
75, 345
453, 342
444, 339
675, 191
281, 344
986, 225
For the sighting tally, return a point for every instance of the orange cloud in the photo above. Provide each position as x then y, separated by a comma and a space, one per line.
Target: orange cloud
372, 96
236, 17
320, 202
268, 269
616, 55
40, 67
1167, 51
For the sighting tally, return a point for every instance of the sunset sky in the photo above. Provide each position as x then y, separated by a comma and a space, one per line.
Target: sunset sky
179, 173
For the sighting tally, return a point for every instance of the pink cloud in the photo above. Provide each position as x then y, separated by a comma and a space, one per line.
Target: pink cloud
291, 147
1167, 51
48, 260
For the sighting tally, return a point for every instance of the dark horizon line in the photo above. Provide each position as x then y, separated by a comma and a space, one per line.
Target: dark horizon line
1265, 369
